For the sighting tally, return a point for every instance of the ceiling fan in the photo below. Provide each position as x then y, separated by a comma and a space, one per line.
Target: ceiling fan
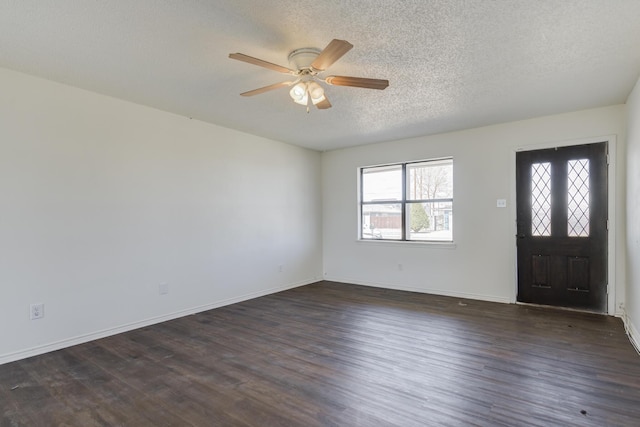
306, 65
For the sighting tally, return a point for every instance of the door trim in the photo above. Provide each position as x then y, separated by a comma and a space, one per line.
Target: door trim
612, 302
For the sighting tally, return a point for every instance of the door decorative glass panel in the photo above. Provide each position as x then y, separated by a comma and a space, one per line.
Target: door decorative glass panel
541, 199
578, 198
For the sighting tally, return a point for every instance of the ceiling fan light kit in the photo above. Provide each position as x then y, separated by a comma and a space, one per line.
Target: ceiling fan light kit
316, 92
306, 63
299, 94
305, 90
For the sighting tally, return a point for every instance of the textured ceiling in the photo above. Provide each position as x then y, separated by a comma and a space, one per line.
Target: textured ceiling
452, 64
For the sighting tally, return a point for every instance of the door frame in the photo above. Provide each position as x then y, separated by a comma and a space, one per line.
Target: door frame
611, 141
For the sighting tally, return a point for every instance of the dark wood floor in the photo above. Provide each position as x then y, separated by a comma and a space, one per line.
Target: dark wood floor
332, 354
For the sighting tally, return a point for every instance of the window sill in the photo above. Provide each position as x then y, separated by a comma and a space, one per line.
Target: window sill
409, 243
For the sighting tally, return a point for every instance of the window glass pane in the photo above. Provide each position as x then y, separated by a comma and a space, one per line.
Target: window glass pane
578, 198
382, 221
541, 199
424, 209
430, 180
382, 183
430, 221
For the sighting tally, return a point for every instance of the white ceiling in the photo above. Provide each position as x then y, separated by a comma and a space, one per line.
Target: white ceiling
452, 64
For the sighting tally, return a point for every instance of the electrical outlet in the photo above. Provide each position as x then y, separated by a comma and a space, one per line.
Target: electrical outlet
36, 311
163, 288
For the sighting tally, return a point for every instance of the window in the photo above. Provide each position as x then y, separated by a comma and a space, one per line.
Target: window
407, 201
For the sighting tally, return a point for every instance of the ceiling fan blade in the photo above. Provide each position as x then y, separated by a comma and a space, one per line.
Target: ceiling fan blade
324, 104
330, 54
266, 88
259, 62
357, 82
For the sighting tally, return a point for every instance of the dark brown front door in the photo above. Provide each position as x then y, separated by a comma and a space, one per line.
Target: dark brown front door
562, 226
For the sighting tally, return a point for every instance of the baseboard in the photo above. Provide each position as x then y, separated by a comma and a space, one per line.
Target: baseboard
81, 339
443, 292
632, 332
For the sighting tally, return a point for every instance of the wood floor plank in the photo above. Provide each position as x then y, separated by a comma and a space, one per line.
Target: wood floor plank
333, 354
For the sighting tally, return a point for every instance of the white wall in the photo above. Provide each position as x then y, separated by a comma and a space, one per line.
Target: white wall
102, 200
481, 263
633, 214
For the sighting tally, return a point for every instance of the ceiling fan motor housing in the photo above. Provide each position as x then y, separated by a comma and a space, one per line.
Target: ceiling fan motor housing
301, 59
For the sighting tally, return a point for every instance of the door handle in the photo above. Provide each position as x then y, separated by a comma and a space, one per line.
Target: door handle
520, 236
